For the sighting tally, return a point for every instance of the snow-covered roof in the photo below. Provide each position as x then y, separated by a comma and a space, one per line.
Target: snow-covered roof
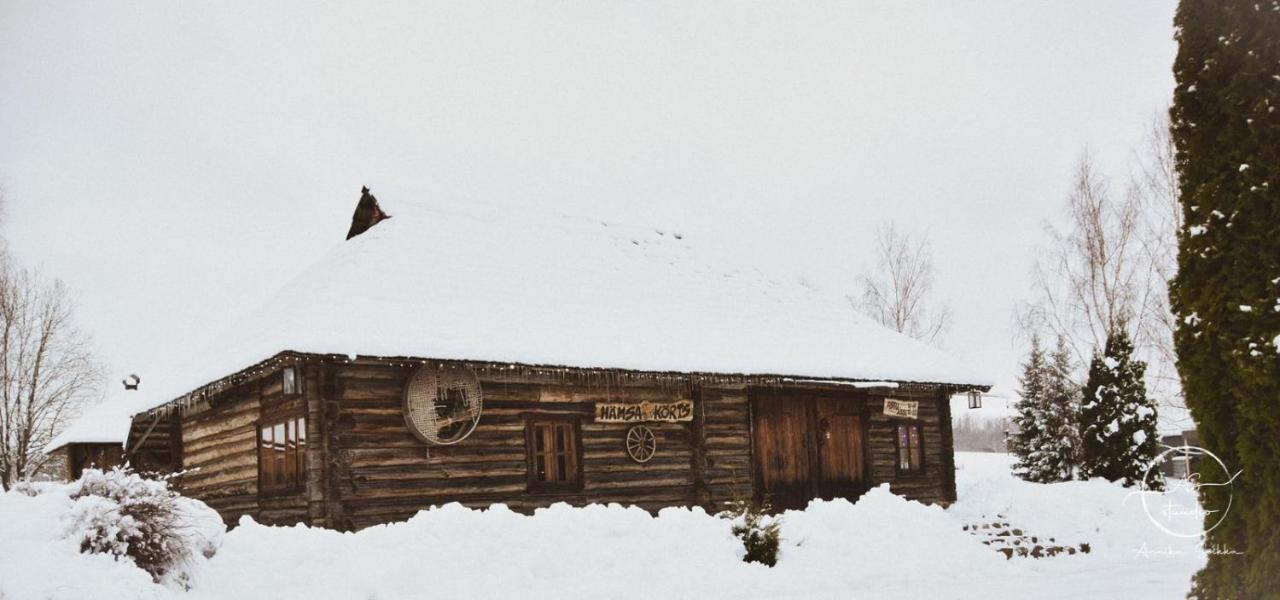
511, 286
106, 422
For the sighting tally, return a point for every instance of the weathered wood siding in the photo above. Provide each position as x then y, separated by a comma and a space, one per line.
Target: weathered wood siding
936, 484
154, 443
220, 454
384, 473
726, 417
363, 466
81, 456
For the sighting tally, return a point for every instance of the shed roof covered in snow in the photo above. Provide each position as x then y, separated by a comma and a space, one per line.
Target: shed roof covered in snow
104, 423
504, 286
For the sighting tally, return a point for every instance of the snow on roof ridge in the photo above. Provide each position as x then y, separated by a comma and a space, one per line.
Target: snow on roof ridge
476, 281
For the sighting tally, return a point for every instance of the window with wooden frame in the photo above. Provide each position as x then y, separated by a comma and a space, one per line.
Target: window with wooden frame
291, 381
552, 448
910, 452
282, 448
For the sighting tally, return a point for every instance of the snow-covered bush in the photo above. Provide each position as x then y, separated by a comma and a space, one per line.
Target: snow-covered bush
25, 487
758, 530
122, 514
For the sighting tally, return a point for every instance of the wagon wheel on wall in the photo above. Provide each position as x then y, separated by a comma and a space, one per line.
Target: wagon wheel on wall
641, 443
442, 405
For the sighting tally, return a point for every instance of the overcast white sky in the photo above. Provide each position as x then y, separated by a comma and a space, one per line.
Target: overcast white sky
175, 162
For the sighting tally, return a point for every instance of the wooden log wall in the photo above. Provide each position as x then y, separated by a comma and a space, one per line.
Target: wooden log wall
60, 464
154, 444
937, 483
364, 467
220, 454
81, 456
726, 421
383, 473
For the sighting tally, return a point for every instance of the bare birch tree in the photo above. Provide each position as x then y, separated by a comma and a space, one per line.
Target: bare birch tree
47, 372
1088, 281
899, 292
1107, 265
1155, 184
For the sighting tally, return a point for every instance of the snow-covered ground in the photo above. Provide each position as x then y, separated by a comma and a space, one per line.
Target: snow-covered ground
883, 546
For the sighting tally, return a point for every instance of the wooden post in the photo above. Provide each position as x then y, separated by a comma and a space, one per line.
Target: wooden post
328, 416
313, 409
698, 443
175, 448
948, 445
143, 439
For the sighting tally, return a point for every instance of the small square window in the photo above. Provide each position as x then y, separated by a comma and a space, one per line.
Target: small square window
552, 447
292, 383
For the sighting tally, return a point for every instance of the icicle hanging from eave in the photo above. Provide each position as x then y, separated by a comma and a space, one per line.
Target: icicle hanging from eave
597, 377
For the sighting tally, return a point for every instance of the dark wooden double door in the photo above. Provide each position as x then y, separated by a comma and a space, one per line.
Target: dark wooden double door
807, 446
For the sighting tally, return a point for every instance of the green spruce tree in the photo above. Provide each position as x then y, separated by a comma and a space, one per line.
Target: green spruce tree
1029, 418
1061, 421
1117, 419
1226, 130
1047, 436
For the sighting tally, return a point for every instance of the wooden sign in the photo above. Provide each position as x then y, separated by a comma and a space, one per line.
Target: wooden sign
666, 412
908, 409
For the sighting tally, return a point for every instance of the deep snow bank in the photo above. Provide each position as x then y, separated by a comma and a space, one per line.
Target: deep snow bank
595, 552
882, 546
115, 514
1111, 518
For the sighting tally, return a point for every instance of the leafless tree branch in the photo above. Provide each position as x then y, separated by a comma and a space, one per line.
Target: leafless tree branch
47, 370
1108, 263
899, 292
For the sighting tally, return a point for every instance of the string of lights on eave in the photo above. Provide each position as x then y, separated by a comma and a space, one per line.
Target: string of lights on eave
588, 376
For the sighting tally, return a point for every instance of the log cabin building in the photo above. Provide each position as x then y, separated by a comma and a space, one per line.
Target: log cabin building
486, 356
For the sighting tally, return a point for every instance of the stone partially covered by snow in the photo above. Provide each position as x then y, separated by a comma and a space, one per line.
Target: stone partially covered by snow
1109, 517
511, 286
882, 546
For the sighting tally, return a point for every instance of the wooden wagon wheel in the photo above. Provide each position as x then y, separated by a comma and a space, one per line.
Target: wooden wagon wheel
641, 443
442, 406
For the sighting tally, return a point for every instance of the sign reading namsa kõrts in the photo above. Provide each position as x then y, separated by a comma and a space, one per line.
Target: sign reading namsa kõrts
907, 409
666, 412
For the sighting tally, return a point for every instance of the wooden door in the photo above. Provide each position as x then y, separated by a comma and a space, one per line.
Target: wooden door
783, 469
840, 450
94, 456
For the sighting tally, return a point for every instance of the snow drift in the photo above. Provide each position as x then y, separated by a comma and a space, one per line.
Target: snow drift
110, 533
881, 546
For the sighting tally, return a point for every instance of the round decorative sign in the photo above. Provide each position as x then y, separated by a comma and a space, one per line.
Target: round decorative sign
641, 443
442, 404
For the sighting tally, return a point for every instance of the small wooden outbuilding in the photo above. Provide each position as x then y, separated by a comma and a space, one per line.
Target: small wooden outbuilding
480, 356
96, 440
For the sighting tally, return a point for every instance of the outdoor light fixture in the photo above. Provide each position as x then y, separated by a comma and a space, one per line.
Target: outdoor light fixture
975, 399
